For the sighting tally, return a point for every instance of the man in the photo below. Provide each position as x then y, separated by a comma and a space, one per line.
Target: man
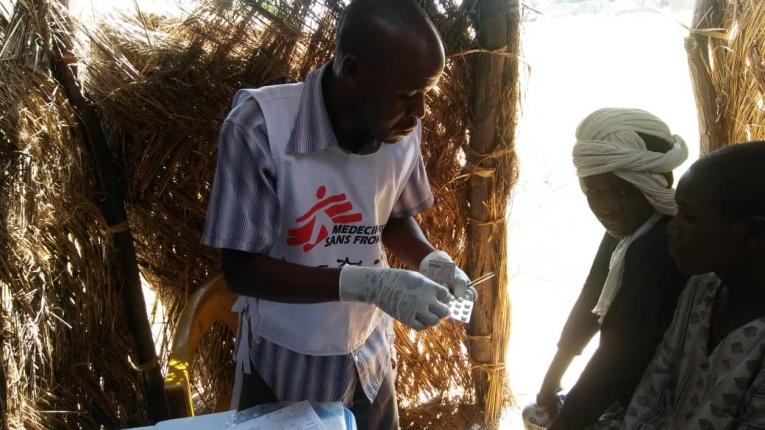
624, 159
312, 180
709, 370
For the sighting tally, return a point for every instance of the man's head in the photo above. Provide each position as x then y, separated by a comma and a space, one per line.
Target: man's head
720, 224
624, 158
388, 56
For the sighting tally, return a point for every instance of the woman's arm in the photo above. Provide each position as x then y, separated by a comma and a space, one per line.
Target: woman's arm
636, 321
580, 326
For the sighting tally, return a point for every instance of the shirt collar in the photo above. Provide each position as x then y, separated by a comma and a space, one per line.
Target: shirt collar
313, 130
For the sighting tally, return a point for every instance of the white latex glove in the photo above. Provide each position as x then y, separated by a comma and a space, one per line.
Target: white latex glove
460, 280
405, 295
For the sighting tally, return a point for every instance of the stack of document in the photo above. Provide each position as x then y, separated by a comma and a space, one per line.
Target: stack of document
299, 416
272, 416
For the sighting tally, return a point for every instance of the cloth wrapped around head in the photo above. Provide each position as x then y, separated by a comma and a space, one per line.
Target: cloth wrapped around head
608, 141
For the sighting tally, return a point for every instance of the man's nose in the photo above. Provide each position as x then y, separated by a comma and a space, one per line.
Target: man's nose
606, 207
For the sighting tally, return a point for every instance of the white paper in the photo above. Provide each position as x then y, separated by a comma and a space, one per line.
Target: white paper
440, 271
199, 422
336, 418
299, 416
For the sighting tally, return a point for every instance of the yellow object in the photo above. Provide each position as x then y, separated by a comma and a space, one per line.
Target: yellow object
211, 303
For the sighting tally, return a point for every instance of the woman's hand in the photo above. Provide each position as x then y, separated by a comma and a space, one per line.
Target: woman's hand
548, 397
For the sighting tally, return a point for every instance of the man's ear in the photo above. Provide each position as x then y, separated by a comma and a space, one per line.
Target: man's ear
350, 71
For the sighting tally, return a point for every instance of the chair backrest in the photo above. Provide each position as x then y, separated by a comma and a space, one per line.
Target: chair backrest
211, 303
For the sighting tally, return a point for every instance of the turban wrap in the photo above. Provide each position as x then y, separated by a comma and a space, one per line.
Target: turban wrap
608, 141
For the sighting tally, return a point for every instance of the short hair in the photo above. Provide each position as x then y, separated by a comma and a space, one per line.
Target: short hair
735, 177
356, 20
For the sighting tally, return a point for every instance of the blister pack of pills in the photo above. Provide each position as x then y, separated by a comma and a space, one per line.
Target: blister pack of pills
442, 272
461, 309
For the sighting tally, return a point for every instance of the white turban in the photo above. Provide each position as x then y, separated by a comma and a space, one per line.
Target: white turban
608, 141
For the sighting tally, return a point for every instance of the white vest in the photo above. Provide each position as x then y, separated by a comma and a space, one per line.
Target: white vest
333, 206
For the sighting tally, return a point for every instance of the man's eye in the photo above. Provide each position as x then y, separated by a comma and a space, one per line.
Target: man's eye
624, 192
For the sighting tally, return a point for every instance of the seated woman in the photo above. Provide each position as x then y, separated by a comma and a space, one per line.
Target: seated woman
624, 158
709, 371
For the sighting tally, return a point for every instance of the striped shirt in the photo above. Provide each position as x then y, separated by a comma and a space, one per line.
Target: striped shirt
243, 215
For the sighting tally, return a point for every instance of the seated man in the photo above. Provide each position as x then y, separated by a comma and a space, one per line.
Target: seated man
709, 371
624, 158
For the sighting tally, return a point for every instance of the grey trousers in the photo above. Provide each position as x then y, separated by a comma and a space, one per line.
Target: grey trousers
382, 414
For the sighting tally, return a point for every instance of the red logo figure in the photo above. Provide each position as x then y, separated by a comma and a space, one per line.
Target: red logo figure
335, 207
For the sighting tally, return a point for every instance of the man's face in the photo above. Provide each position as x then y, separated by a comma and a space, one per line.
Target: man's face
391, 98
619, 206
701, 240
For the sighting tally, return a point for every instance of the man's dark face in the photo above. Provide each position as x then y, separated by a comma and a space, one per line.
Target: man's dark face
390, 95
701, 240
619, 206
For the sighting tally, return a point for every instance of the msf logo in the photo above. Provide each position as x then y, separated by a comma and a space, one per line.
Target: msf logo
337, 208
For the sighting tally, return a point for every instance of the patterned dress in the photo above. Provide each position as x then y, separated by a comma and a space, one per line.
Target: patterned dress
688, 387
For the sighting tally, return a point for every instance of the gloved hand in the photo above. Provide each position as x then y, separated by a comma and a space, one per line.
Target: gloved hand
405, 295
460, 280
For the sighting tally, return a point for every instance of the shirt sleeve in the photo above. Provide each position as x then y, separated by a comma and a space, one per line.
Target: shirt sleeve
582, 324
416, 196
242, 213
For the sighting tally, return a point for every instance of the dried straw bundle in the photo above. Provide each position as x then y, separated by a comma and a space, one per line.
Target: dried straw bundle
735, 70
64, 344
739, 71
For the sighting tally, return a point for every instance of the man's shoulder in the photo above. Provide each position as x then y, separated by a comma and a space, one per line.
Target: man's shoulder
249, 103
269, 92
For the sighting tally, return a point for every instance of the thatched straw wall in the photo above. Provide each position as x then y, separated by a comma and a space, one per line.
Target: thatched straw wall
162, 88
727, 57
62, 329
64, 342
